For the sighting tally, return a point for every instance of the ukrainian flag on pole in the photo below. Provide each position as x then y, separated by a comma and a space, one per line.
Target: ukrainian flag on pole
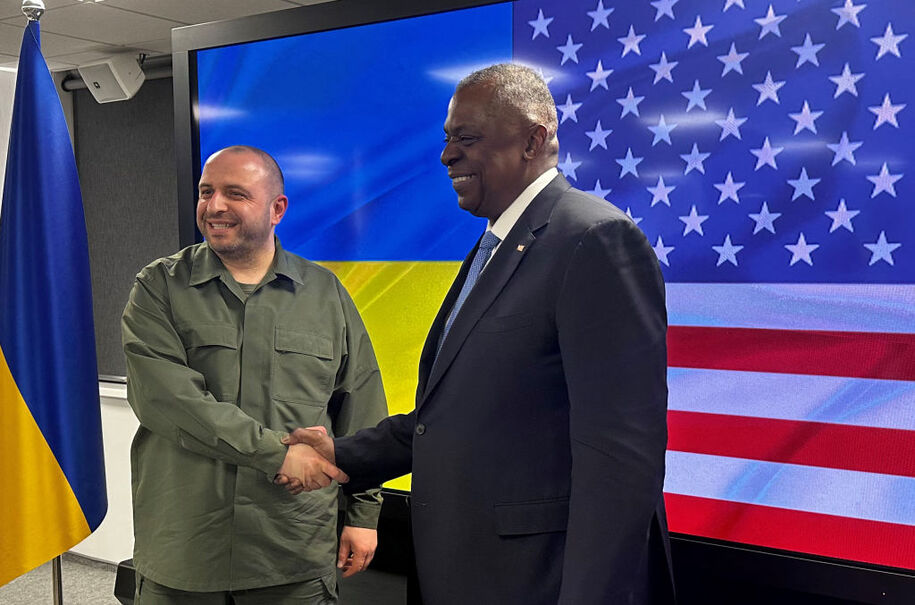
52, 476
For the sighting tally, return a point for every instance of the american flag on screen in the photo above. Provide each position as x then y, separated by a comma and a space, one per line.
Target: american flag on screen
765, 148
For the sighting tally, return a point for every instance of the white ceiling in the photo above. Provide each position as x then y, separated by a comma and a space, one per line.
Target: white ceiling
76, 33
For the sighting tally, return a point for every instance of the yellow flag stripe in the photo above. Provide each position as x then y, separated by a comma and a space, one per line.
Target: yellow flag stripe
41, 517
398, 301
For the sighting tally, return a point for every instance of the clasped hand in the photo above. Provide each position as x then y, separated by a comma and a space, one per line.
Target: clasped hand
309, 463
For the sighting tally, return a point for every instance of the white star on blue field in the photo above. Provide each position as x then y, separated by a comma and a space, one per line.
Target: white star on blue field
751, 141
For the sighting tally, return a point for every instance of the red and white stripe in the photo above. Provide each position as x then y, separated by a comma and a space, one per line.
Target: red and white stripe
792, 417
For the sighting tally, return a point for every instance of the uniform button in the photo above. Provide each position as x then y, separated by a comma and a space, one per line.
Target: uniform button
420, 429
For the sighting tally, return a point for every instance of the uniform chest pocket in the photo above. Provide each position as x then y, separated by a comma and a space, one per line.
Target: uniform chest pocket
303, 367
212, 350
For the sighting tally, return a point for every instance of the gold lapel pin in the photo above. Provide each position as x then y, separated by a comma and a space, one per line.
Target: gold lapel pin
520, 247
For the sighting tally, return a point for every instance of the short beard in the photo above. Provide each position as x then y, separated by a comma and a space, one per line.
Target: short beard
238, 251
244, 249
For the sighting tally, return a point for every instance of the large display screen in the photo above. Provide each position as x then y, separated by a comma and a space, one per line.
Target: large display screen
762, 148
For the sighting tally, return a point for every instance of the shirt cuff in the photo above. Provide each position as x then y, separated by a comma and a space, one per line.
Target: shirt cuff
362, 514
270, 454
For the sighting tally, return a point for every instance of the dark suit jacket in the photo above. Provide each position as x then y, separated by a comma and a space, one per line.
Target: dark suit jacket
537, 443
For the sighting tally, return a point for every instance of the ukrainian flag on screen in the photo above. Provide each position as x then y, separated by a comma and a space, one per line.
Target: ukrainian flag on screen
369, 197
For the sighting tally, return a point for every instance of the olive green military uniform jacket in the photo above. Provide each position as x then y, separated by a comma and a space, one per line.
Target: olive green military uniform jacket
216, 379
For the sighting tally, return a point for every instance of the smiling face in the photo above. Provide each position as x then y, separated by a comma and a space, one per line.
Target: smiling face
485, 152
239, 205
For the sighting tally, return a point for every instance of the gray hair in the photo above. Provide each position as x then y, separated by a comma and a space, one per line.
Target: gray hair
520, 88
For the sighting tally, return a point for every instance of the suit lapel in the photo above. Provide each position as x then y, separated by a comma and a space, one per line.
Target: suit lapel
491, 282
427, 357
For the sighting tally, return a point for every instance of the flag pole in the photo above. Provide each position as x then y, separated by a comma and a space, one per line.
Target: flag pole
33, 10
57, 580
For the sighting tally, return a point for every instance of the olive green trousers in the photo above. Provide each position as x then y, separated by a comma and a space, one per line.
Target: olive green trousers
320, 591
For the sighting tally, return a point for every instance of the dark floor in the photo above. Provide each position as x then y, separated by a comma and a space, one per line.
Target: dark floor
375, 588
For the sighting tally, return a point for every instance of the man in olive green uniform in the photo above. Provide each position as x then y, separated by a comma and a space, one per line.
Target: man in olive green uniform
230, 344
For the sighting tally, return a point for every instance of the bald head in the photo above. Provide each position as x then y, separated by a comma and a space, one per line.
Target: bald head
277, 183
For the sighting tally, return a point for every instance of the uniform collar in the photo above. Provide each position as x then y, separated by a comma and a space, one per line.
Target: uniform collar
207, 265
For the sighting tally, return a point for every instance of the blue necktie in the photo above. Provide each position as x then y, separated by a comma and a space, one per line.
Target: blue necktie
487, 244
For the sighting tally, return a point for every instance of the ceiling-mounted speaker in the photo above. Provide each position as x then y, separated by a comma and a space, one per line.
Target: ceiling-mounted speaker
115, 79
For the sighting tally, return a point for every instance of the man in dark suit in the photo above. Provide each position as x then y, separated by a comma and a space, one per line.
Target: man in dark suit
537, 443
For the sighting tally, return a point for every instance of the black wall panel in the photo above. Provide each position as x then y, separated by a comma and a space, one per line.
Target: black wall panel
125, 154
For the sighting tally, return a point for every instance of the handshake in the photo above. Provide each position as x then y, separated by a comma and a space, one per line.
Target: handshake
309, 463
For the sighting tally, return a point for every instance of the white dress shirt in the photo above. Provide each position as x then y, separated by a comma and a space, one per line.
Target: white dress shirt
510, 216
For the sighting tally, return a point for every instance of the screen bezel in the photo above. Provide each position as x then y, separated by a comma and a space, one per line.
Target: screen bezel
694, 557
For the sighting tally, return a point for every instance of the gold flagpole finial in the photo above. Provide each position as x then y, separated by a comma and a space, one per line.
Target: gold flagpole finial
33, 9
